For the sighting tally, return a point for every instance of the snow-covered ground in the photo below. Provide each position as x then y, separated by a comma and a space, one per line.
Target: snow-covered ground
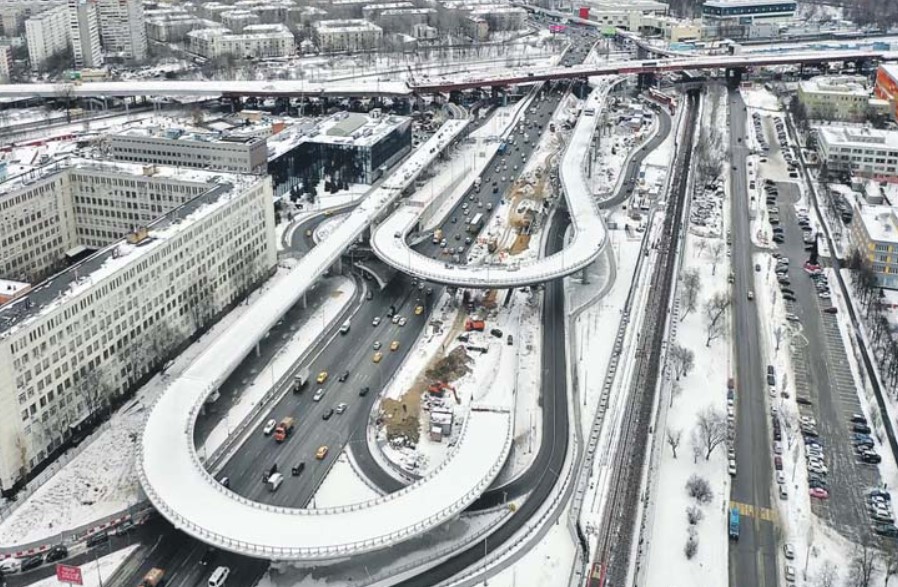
101, 480
342, 486
94, 573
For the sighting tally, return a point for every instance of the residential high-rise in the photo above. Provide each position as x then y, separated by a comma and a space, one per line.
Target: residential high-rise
122, 29
47, 34
85, 32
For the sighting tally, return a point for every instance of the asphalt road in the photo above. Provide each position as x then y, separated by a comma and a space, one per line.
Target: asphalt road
753, 556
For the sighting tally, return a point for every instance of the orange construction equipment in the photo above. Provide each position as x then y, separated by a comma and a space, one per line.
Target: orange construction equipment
438, 388
474, 324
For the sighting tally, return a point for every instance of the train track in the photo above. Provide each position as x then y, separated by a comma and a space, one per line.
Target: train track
611, 563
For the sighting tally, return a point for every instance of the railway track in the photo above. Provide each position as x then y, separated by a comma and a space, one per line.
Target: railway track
611, 563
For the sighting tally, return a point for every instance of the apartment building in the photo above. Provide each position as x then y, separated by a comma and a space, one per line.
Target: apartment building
237, 20
346, 35
865, 152
167, 144
5, 63
256, 41
172, 28
84, 29
123, 29
73, 346
874, 231
46, 35
835, 98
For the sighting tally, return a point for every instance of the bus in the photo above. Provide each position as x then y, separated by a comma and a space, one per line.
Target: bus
734, 523
476, 223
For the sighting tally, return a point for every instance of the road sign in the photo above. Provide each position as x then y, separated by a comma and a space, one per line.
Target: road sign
69, 574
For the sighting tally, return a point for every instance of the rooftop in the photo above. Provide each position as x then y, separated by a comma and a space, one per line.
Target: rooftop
50, 294
169, 129
350, 24
881, 222
858, 136
733, 3
890, 69
836, 85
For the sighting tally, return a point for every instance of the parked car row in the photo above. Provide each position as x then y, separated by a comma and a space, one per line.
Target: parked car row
863, 442
879, 508
778, 456
759, 132
815, 458
808, 235
731, 425
782, 278
821, 284
22, 565
773, 212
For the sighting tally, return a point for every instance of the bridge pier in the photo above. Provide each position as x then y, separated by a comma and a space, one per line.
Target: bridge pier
645, 81
734, 76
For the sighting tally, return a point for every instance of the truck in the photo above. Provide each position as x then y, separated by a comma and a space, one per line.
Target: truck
153, 578
284, 429
734, 523
474, 324
301, 379
477, 182
437, 236
502, 148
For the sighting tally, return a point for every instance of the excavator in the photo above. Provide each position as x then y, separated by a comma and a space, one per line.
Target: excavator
438, 388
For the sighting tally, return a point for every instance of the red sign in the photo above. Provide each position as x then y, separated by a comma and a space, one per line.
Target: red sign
584, 12
69, 574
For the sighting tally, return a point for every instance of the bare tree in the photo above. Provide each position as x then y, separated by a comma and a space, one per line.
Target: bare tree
673, 439
92, 387
889, 562
200, 294
860, 569
710, 430
682, 359
716, 256
700, 246
778, 335
699, 489
715, 310
694, 515
692, 285
828, 575
675, 390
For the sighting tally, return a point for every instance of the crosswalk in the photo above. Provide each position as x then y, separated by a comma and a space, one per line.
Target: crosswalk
753, 511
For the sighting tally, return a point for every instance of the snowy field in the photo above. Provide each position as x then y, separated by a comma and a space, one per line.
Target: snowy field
101, 480
95, 574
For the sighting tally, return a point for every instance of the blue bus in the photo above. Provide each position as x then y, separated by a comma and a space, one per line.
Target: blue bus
734, 523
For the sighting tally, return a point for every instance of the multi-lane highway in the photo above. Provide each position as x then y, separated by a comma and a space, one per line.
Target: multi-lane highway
753, 556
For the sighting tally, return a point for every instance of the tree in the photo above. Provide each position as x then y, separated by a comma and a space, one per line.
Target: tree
828, 575
682, 359
715, 310
860, 569
716, 256
673, 439
691, 547
889, 562
778, 335
694, 515
692, 285
699, 489
710, 430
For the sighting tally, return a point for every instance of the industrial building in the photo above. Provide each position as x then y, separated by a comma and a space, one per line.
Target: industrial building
835, 98
73, 346
863, 151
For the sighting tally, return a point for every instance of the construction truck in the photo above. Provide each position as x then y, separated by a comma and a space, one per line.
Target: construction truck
153, 578
437, 236
474, 324
300, 380
284, 429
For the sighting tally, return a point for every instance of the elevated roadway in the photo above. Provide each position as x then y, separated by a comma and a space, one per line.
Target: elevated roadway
389, 239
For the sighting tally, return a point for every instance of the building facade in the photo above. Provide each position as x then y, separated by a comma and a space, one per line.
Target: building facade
47, 35
73, 348
84, 29
171, 146
865, 152
255, 42
123, 29
835, 98
346, 35
748, 12
874, 231
886, 87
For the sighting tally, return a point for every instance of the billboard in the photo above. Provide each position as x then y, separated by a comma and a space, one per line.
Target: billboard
69, 574
584, 12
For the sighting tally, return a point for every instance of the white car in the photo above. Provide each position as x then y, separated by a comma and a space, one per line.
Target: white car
341, 407
777, 447
269, 427
376, 321
788, 551
402, 322
732, 468
318, 395
780, 478
10, 565
396, 318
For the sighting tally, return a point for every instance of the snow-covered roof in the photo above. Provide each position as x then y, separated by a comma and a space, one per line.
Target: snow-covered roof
344, 26
880, 223
858, 137
841, 85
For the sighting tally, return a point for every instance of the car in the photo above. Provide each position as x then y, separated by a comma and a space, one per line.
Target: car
861, 428
269, 427
403, 322
225, 481
341, 407
364, 391
321, 452
10, 565
343, 376
322, 377
803, 400
788, 551
789, 571
57, 553
831, 310
789, 297
377, 357
751, 295
31, 562
818, 492
778, 463
394, 345
396, 318
97, 539
858, 419
784, 493
327, 414
780, 477
376, 321
777, 448
871, 458
732, 468
888, 530
757, 266
377, 345
419, 309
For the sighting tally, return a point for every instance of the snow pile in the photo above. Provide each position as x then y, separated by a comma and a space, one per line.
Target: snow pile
342, 486
95, 573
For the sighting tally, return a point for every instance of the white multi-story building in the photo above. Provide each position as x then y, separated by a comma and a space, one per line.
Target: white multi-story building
172, 27
237, 20
865, 152
74, 346
168, 144
47, 34
346, 35
256, 41
84, 30
5, 62
874, 231
835, 98
123, 29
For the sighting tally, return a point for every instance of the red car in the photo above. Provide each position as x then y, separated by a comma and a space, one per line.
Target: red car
818, 493
778, 462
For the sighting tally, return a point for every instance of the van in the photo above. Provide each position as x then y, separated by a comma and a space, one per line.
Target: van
345, 328
274, 481
219, 577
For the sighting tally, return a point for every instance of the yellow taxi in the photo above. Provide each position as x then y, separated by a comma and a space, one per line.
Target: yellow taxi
419, 310
394, 345
377, 357
322, 377
321, 452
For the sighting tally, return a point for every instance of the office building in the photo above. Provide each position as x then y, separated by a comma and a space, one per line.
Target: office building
167, 144
255, 42
862, 151
122, 29
874, 232
84, 30
74, 346
47, 35
346, 35
748, 12
835, 98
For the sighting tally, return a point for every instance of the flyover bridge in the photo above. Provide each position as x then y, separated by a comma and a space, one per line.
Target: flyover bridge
176, 482
389, 240
359, 88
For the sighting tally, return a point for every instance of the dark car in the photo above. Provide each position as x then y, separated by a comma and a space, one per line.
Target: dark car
327, 414
208, 556
871, 458
831, 310
862, 428
858, 419
886, 530
97, 539
789, 297
364, 391
32, 562
57, 553
803, 400
343, 376
298, 469
771, 379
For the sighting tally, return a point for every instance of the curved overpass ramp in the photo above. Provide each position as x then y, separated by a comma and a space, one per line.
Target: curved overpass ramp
389, 240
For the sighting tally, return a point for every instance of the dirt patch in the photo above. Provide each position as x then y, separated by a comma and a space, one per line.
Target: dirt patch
402, 417
521, 244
